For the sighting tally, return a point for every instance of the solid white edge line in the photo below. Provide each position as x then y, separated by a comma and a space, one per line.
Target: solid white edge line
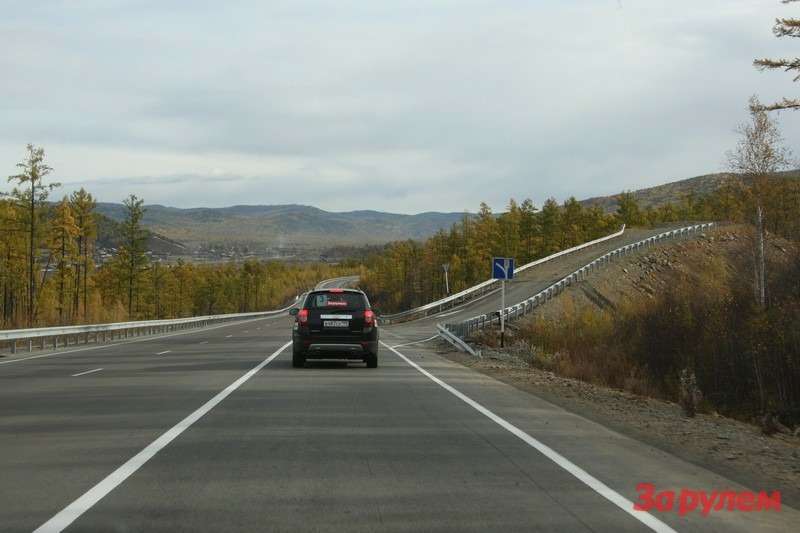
415, 342
73, 511
165, 351
87, 372
592, 482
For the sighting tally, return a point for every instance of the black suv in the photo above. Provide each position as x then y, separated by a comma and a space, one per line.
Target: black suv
335, 324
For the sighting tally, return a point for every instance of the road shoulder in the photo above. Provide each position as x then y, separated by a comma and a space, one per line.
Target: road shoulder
727, 447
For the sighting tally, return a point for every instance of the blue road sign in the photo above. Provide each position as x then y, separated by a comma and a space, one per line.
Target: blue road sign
502, 267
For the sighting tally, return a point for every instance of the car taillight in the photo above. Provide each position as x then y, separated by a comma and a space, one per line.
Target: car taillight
302, 316
369, 318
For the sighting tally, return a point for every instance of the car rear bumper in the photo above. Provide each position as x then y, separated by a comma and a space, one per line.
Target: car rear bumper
336, 349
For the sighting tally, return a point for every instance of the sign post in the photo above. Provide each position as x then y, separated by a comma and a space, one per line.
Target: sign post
446, 267
502, 269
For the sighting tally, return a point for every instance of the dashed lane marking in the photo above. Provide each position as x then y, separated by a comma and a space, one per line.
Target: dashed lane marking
87, 372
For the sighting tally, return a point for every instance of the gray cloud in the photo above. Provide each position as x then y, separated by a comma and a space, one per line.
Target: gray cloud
408, 106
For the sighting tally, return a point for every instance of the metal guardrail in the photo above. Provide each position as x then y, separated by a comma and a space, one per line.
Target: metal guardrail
117, 330
482, 288
456, 341
465, 328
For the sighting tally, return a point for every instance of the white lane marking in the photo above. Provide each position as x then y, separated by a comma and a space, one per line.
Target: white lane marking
228, 336
87, 372
58, 353
154, 338
595, 484
247, 331
388, 332
449, 314
162, 353
415, 342
203, 342
73, 511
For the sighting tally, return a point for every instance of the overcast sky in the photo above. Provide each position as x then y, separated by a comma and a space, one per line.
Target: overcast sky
404, 106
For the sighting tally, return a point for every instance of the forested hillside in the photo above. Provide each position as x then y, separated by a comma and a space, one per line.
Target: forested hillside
48, 273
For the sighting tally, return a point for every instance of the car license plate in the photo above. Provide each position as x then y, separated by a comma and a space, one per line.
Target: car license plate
336, 324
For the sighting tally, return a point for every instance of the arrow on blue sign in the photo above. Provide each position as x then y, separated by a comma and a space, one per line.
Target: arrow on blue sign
503, 268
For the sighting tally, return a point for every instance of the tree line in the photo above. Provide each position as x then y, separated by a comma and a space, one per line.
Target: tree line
48, 274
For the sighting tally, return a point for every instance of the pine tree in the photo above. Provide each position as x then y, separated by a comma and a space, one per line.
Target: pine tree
628, 210
550, 217
29, 196
784, 27
83, 205
63, 232
132, 256
529, 230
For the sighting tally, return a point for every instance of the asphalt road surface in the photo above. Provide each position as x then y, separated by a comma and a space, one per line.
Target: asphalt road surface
213, 430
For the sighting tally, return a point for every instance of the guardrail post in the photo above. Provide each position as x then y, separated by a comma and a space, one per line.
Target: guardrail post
30, 345
14, 346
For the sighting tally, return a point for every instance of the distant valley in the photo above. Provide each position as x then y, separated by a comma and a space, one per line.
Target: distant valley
282, 231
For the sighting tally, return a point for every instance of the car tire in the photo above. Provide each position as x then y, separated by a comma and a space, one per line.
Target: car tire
298, 359
372, 360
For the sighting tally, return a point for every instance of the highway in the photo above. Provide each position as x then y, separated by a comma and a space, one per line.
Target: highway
213, 430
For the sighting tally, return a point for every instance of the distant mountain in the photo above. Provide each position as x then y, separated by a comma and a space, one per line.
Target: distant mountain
675, 191
109, 235
281, 226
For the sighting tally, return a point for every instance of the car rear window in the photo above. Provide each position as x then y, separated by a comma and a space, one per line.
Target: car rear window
336, 300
